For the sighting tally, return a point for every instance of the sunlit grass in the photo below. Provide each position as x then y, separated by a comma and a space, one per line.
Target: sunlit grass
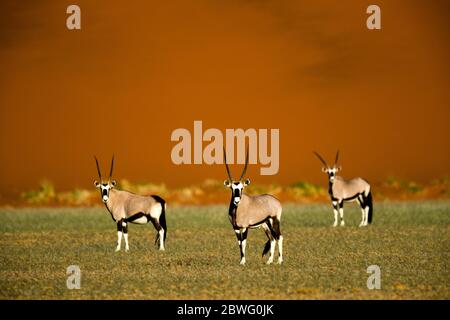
410, 242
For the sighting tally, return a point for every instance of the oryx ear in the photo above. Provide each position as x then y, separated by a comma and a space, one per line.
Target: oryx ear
96, 184
246, 182
113, 183
227, 183
324, 169
339, 168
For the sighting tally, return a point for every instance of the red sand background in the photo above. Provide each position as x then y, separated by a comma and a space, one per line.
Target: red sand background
139, 70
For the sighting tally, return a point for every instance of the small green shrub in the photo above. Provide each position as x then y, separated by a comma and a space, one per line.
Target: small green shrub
43, 195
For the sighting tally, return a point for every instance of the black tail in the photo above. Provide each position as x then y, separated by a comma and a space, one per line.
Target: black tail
266, 248
370, 204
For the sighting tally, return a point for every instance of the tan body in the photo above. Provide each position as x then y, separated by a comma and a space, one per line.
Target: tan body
255, 210
346, 189
126, 207
251, 212
356, 189
342, 190
247, 212
124, 204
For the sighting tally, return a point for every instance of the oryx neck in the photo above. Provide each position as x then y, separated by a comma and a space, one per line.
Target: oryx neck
111, 199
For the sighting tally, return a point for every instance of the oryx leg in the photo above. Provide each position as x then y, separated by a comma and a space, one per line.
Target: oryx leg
272, 241
279, 238
335, 211
119, 234
125, 234
269, 237
365, 212
160, 234
341, 212
366, 209
242, 241
361, 202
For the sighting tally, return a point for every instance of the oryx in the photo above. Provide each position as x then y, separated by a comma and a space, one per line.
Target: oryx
126, 207
342, 190
248, 212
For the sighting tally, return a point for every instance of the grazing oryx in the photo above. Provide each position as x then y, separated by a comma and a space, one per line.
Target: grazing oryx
126, 207
341, 191
247, 212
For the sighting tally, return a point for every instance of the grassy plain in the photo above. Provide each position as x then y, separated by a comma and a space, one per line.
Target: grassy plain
409, 241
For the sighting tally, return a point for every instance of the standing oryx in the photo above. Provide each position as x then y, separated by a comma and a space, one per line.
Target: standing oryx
126, 207
247, 212
341, 191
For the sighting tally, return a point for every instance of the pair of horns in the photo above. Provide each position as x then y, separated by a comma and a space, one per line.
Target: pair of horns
110, 172
228, 169
324, 162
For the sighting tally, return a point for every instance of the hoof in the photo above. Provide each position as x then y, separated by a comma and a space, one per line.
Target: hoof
335, 225
269, 261
127, 249
280, 261
117, 249
342, 223
242, 263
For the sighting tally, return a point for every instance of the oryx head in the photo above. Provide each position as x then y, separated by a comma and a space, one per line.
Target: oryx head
105, 187
236, 186
331, 171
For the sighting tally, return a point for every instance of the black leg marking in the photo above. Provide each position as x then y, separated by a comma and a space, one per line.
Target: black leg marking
157, 227
274, 228
335, 205
238, 234
242, 236
267, 245
369, 201
365, 202
119, 225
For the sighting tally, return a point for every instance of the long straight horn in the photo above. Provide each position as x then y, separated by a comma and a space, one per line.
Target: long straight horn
226, 165
112, 166
246, 165
337, 158
321, 159
98, 169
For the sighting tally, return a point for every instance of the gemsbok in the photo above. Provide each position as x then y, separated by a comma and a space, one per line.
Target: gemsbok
126, 207
250, 212
342, 190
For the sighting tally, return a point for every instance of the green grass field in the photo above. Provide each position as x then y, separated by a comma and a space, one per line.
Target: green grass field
409, 241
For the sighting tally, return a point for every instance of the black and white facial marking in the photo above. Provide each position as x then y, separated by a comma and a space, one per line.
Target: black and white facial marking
237, 188
105, 188
331, 171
